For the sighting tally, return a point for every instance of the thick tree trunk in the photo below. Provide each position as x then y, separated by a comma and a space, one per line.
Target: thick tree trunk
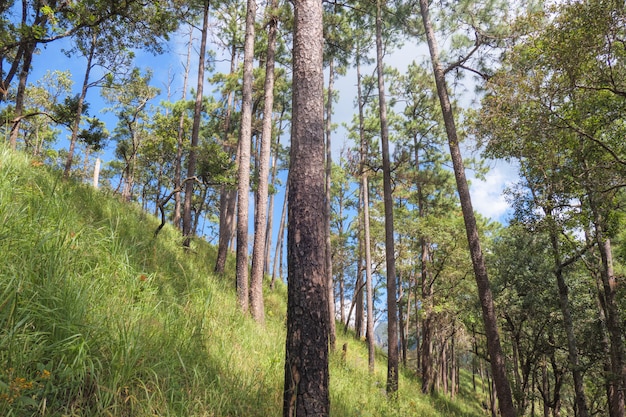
260, 221
195, 131
245, 139
306, 363
503, 389
392, 315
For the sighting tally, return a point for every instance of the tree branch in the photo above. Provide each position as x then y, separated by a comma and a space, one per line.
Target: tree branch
168, 198
464, 59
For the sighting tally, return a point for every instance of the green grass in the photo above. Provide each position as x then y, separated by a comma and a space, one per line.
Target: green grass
99, 318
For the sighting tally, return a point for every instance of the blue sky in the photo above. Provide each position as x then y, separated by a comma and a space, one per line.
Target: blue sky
168, 72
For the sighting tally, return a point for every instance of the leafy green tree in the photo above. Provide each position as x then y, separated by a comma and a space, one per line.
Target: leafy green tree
45, 22
559, 99
129, 99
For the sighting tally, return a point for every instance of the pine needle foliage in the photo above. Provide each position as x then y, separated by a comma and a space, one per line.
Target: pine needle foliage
100, 318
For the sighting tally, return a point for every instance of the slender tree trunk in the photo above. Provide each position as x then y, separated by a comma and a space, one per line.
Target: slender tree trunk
180, 134
613, 322
453, 375
503, 389
278, 255
426, 286
568, 323
195, 131
371, 347
363, 151
245, 139
401, 321
306, 363
228, 195
392, 314
358, 302
96, 173
260, 221
198, 211
616, 379
21, 92
270, 210
427, 342
329, 163
79, 108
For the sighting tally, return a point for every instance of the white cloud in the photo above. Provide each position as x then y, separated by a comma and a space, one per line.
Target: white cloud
487, 196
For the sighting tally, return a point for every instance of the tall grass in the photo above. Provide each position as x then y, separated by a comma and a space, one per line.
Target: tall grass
99, 318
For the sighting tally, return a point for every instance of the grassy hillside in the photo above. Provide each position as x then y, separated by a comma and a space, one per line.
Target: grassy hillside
99, 318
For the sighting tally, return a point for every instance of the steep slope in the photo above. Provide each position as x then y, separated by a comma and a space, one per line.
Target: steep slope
98, 317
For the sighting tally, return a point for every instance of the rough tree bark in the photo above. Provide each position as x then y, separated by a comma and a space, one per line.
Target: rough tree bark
245, 138
306, 362
392, 309
260, 220
329, 163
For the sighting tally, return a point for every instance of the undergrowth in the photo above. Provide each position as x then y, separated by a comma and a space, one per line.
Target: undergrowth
100, 318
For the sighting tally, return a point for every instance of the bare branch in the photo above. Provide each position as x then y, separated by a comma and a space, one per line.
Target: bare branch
169, 197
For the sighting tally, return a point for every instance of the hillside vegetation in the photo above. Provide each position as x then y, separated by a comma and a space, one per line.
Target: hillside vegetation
99, 318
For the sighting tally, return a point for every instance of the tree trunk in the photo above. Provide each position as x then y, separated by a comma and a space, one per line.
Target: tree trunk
401, 322
96, 173
363, 151
306, 363
228, 195
369, 287
503, 389
178, 163
260, 221
329, 163
245, 139
392, 316
79, 108
617, 377
21, 92
195, 131
270, 210
427, 343
568, 323
198, 211
278, 254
